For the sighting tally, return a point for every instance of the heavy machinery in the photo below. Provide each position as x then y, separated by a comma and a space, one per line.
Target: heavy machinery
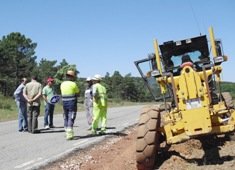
184, 76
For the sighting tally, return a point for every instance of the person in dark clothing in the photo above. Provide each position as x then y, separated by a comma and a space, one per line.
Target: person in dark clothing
32, 93
186, 58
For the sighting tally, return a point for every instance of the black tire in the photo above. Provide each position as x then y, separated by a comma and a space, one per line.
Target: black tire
147, 143
228, 100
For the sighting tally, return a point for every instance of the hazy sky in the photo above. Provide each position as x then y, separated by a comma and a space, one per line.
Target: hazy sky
102, 36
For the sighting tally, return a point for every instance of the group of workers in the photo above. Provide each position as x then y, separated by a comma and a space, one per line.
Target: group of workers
27, 97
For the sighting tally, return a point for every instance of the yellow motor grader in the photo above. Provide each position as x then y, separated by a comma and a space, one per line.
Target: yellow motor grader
184, 76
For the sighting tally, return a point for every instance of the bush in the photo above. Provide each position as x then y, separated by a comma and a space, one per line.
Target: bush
6, 103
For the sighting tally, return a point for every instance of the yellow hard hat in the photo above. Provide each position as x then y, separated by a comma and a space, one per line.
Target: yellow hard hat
70, 73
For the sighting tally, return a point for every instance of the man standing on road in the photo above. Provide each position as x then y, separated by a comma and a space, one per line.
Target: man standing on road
69, 92
48, 93
22, 106
99, 105
88, 101
32, 93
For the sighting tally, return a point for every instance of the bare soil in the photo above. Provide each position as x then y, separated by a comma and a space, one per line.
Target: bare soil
118, 153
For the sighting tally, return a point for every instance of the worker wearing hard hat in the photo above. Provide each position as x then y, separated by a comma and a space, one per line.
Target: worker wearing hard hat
88, 100
99, 105
69, 92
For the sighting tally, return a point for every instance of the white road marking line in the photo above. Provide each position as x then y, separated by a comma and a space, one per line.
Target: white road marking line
80, 142
28, 163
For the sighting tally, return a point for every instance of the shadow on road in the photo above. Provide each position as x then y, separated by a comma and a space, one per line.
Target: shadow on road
110, 127
51, 131
96, 135
56, 129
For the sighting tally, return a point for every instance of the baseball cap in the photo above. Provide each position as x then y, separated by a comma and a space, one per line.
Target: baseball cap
50, 79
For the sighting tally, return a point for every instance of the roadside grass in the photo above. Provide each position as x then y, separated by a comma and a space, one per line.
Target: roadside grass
9, 111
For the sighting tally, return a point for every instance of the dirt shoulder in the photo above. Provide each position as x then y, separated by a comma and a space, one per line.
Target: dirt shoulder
118, 153
114, 153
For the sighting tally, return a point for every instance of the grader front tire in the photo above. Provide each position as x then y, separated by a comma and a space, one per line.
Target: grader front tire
147, 143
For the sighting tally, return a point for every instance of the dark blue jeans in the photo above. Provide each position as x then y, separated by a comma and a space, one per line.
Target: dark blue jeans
48, 117
70, 111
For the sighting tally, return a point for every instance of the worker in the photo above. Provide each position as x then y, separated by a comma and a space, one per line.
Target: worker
48, 93
22, 106
32, 93
69, 92
99, 105
186, 61
88, 101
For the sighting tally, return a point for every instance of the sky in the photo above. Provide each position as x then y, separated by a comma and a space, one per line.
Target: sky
101, 36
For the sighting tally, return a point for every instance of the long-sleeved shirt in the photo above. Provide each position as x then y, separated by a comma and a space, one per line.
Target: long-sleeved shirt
18, 94
88, 96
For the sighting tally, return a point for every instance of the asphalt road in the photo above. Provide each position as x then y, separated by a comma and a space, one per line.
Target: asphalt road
22, 150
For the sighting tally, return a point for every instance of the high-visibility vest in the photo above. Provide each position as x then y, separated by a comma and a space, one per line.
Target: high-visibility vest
69, 89
99, 94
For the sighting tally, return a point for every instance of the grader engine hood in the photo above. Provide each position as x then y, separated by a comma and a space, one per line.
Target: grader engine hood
189, 84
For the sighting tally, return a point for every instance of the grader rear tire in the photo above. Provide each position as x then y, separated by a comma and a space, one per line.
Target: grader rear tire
147, 143
228, 100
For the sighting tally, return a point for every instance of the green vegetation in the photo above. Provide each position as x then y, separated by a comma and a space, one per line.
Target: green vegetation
9, 111
17, 60
228, 87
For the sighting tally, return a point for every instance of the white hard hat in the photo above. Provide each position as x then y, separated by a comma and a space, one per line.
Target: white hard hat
70, 73
88, 79
97, 77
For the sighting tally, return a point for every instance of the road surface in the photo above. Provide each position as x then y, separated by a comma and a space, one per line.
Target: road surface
22, 150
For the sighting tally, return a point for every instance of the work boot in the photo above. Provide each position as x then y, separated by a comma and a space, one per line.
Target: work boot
93, 132
69, 134
102, 131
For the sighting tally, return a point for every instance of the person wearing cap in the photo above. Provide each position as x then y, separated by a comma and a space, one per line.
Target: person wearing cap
187, 61
32, 93
22, 106
69, 93
48, 93
99, 105
88, 100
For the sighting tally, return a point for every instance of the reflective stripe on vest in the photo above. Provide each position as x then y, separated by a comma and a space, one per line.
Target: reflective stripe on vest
68, 97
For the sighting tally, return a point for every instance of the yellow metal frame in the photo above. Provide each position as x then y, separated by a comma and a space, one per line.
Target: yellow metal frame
159, 67
191, 88
212, 40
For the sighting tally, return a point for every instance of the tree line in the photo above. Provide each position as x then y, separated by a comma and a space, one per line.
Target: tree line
18, 59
